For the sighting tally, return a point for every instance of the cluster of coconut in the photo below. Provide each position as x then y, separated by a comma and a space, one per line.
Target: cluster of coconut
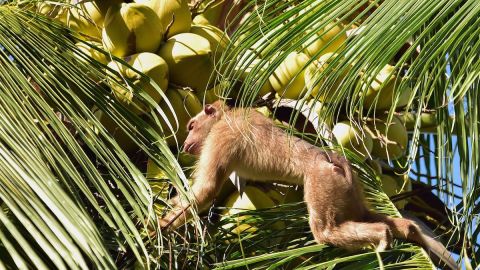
157, 38
160, 39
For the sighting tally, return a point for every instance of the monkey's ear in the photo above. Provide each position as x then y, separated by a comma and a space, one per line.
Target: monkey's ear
209, 109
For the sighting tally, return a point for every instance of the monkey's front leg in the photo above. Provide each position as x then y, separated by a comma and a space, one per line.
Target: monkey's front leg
208, 180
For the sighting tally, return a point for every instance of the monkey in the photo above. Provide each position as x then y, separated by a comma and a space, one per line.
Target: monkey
244, 141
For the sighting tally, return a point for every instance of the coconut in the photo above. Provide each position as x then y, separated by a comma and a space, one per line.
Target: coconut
157, 179
211, 95
381, 91
87, 17
283, 194
275, 196
217, 38
213, 13
200, 19
405, 185
131, 28
288, 78
391, 143
95, 9
49, 9
57, 12
174, 14
352, 138
220, 91
395, 185
245, 69
375, 165
122, 139
186, 160
189, 58
320, 42
155, 172
253, 198
268, 42
428, 120
149, 64
245, 59
265, 111
389, 185
186, 105
315, 82
88, 50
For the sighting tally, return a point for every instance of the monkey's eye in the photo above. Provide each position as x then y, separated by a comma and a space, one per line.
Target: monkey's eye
190, 126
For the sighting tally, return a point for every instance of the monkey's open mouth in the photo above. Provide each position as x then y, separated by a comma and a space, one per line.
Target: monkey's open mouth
189, 148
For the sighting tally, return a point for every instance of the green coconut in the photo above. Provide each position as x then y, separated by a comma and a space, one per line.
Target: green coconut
375, 165
122, 139
155, 172
200, 19
380, 93
352, 138
213, 13
187, 160
428, 120
159, 184
207, 97
388, 143
288, 78
88, 50
320, 42
87, 17
131, 28
245, 69
211, 95
186, 105
51, 10
393, 185
189, 58
174, 14
265, 111
315, 82
253, 198
149, 64
217, 38
283, 194
268, 42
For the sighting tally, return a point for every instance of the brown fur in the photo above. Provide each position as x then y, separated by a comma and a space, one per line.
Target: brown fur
244, 141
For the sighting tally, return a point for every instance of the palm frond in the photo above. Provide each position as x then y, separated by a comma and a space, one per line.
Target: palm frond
433, 46
73, 198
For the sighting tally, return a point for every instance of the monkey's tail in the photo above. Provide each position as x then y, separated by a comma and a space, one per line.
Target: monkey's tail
407, 229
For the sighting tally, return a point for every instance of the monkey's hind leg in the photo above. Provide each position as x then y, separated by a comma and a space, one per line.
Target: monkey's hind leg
353, 235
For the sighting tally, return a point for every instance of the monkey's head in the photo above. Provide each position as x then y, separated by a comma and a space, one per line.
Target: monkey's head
199, 126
